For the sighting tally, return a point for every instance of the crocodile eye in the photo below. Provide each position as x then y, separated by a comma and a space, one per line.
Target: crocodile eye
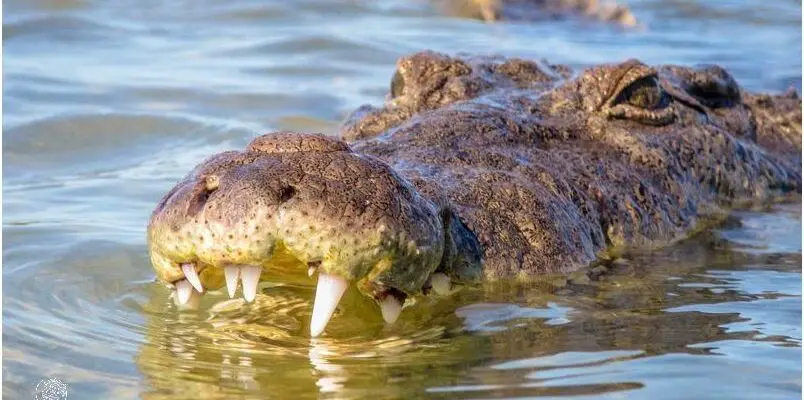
643, 101
644, 93
397, 85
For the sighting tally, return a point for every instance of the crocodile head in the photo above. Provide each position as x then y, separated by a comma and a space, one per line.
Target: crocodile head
294, 205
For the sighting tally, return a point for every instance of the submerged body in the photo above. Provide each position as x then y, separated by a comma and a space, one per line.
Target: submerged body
478, 167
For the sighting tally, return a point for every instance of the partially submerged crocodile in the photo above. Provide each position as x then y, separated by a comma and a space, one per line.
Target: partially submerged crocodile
478, 167
533, 10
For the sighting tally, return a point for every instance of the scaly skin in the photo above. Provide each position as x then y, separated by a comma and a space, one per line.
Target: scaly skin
550, 172
485, 167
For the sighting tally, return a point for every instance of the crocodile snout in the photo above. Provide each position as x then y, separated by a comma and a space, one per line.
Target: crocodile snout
293, 204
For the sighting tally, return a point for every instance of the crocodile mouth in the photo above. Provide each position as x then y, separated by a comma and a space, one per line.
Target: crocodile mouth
292, 207
198, 278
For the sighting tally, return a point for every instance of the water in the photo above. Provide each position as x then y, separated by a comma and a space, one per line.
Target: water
108, 103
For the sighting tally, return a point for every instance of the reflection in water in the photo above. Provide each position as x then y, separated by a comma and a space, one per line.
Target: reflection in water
656, 320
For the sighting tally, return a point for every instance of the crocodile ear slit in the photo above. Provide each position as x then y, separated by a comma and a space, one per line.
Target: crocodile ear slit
711, 85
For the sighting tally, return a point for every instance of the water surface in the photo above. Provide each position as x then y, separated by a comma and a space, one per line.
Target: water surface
108, 103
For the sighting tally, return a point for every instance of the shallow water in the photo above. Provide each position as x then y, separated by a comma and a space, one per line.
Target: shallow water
108, 103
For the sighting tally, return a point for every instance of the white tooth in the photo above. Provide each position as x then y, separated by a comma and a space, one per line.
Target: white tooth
391, 308
232, 274
183, 291
440, 284
328, 293
192, 276
250, 276
193, 303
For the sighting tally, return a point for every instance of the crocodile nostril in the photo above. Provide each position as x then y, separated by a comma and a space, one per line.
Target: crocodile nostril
286, 193
212, 182
397, 85
201, 194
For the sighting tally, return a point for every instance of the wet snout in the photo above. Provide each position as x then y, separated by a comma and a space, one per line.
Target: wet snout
292, 205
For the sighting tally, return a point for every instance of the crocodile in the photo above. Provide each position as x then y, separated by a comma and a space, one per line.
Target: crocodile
478, 168
535, 10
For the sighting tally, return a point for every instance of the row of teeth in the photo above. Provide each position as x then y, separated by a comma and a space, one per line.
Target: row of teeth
248, 275
328, 292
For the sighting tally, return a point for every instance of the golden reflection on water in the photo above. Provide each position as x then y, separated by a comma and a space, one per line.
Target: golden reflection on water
556, 336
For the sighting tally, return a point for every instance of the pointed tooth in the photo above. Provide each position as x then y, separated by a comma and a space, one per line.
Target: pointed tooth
441, 284
232, 275
390, 308
183, 291
192, 276
193, 303
328, 293
250, 277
